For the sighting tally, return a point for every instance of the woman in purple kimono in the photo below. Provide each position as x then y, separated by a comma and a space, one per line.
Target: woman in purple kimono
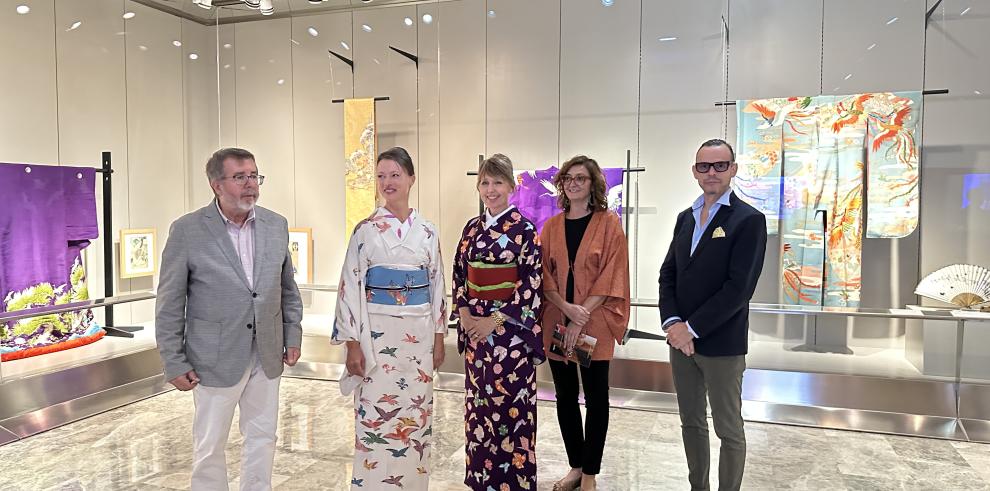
498, 295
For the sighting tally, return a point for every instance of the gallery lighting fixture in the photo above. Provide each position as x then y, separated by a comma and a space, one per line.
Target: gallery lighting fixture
427, 18
255, 4
206, 4
312, 31
128, 15
266, 7
315, 2
23, 9
75, 25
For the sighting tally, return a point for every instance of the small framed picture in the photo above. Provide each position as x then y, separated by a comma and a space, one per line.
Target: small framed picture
137, 253
301, 251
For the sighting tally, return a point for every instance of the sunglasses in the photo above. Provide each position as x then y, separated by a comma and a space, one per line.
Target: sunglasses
704, 167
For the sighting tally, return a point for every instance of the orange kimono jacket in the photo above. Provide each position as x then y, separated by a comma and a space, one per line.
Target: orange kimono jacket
600, 268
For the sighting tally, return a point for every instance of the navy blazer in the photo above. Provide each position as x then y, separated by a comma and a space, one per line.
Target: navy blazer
711, 289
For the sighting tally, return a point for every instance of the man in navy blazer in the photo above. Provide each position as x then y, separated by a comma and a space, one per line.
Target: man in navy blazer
706, 283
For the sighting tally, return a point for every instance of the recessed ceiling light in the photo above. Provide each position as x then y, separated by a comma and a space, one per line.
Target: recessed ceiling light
128, 15
312, 31
407, 21
669, 38
23, 9
281, 81
892, 20
143, 48
228, 46
345, 45
365, 28
193, 56
607, 3
427, 18
176, 43
977, 92
964, 12
491, 13
315, 2
848, 76
75, 25
874, 45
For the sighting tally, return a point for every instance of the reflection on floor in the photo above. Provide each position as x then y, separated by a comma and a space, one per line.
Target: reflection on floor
147, 445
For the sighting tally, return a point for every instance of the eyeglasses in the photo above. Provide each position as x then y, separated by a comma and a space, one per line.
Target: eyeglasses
242, 179
579, 180
704, 167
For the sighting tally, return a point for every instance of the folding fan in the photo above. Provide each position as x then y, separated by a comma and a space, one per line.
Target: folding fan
963, 285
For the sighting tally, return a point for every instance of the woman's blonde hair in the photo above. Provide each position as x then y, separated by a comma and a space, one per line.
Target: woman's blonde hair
497, 165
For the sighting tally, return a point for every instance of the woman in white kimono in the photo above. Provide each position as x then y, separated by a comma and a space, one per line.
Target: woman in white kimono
391, 314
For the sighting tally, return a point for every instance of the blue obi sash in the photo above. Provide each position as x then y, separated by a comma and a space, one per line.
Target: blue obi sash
391, 286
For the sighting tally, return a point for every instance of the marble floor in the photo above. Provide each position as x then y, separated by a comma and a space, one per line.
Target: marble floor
147, 445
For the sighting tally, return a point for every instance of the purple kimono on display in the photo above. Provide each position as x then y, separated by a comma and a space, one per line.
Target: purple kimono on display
48, 217
536, 196
500, 371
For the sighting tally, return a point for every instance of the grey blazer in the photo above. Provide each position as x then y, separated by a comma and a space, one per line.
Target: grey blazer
207, 315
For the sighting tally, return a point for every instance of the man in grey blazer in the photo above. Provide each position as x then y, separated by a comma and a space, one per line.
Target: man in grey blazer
228, 316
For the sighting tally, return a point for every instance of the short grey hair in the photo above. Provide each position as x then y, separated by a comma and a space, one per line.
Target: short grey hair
214, 166
497, 165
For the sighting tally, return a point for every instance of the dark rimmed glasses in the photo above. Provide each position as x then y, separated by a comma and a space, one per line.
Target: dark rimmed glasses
704, 167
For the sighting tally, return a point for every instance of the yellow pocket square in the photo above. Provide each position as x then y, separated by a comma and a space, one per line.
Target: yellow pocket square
718, 233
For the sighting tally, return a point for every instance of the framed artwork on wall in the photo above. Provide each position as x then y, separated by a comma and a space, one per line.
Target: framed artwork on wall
301, 251
137, 253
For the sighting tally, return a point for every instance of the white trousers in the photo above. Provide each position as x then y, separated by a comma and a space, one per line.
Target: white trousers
257, 396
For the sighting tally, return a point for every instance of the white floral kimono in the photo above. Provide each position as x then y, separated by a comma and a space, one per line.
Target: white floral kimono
391, 300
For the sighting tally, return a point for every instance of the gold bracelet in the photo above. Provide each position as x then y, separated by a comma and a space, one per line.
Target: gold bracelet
499, 320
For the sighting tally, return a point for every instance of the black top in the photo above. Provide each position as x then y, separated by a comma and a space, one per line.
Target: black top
573, 233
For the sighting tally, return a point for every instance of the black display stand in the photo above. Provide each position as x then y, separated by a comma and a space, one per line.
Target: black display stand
106, 169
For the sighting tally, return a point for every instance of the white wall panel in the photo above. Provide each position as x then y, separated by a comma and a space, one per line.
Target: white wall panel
428, 113
264, 108
462, 115
599, 80
200, 103
681, 79
156, 176
319, 137
380, 71
523, 83
28, 110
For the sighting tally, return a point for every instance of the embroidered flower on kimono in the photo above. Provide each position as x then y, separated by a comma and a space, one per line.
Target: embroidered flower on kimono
518, 460
489, 389
513, 412
503, 430
515, 354
509, 256
496, 417
504, 487
497, 369
488, 464
516, 216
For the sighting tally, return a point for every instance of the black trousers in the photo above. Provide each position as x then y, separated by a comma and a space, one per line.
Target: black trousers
584, 443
